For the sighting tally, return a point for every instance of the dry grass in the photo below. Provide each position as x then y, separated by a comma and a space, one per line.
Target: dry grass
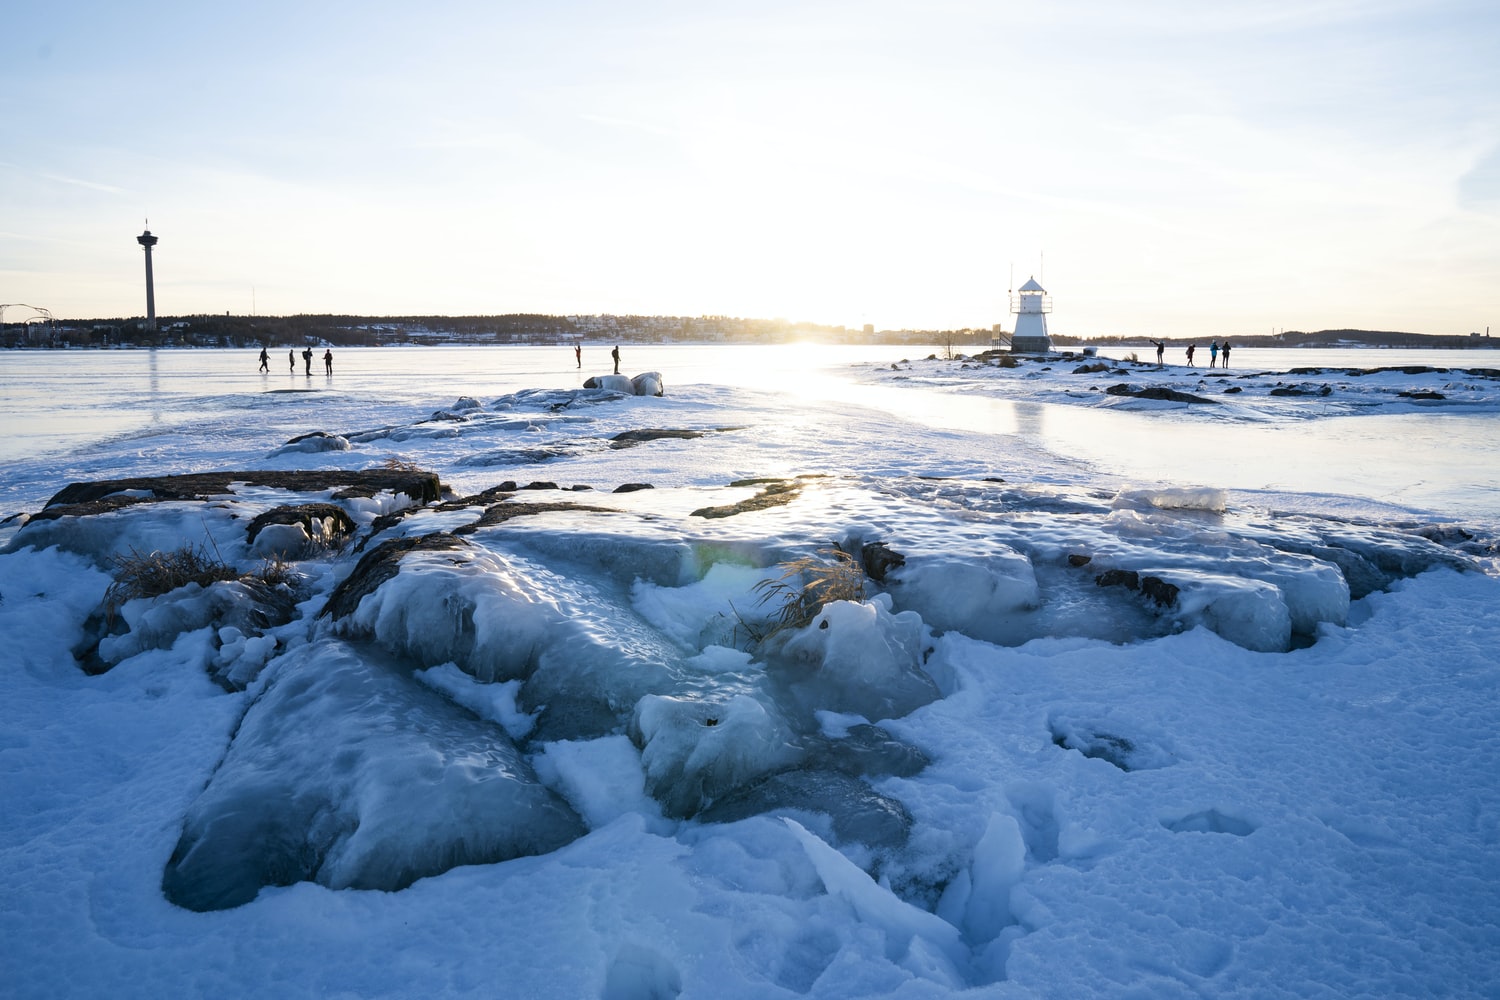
806, 585
155, 573
276, 573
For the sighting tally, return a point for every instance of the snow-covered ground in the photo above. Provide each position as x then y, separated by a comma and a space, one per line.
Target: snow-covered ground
1079, 731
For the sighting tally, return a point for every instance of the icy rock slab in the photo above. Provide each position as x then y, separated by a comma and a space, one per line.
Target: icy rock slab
1231, 572
857, 812
1372, 558
1248, 613
553, 400
858, 658
976, 596
585, 657
348, 772
441, 600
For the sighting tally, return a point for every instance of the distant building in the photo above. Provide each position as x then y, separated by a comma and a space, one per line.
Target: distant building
147, 241
1030, 304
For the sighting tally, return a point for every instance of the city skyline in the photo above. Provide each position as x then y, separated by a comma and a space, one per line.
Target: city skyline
1164, 169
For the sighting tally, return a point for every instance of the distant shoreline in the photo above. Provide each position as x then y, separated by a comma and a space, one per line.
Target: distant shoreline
1060, 344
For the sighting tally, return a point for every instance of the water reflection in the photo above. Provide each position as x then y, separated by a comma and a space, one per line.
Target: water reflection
1031, 420
153, 386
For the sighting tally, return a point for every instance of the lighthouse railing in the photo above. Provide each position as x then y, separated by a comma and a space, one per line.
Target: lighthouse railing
1031, 302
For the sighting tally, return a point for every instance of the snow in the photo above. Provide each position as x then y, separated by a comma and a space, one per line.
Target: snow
1098, 735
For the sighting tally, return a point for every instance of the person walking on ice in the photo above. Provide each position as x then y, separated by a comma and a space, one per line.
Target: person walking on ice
1191, 348
616, 355
291, 360
265, 360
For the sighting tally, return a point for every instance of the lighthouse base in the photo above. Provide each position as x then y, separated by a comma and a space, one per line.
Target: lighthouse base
1030, 345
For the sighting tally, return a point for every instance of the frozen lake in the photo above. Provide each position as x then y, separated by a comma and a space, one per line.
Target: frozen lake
74, 410
1073, 732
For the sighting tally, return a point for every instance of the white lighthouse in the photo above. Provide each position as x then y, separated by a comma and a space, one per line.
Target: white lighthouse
1030, 304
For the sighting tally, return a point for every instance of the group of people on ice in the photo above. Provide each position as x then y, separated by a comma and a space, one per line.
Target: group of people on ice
1214, 350
291, 359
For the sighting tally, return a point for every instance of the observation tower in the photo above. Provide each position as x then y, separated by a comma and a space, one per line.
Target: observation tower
1030, 304
147, 241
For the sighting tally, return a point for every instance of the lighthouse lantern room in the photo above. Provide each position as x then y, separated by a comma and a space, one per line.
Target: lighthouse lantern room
1030, 304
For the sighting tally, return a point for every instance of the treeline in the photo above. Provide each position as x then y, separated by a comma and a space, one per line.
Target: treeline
513, 328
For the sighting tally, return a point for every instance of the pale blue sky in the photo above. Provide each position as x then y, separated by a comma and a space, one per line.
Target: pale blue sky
1182, 168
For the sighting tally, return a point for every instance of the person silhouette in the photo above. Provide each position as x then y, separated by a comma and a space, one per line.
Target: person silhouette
1190, 349
1225, 349
1161, 346
328, 361
265, 360
291, 360
578, 354
616, 355
1213, 354
307, 360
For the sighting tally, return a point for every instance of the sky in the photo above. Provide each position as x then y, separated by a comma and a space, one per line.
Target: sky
1165, 168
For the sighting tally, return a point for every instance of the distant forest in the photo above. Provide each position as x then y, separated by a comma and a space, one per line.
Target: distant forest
529, 328
1297, 338
515, 328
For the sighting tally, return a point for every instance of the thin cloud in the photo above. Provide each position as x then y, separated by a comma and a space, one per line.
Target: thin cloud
91, 185
1480, 187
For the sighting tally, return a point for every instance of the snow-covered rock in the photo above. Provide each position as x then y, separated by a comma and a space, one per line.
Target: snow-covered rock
317, 441
695, 752
647, 384
337, 775
979, 595
858, 657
